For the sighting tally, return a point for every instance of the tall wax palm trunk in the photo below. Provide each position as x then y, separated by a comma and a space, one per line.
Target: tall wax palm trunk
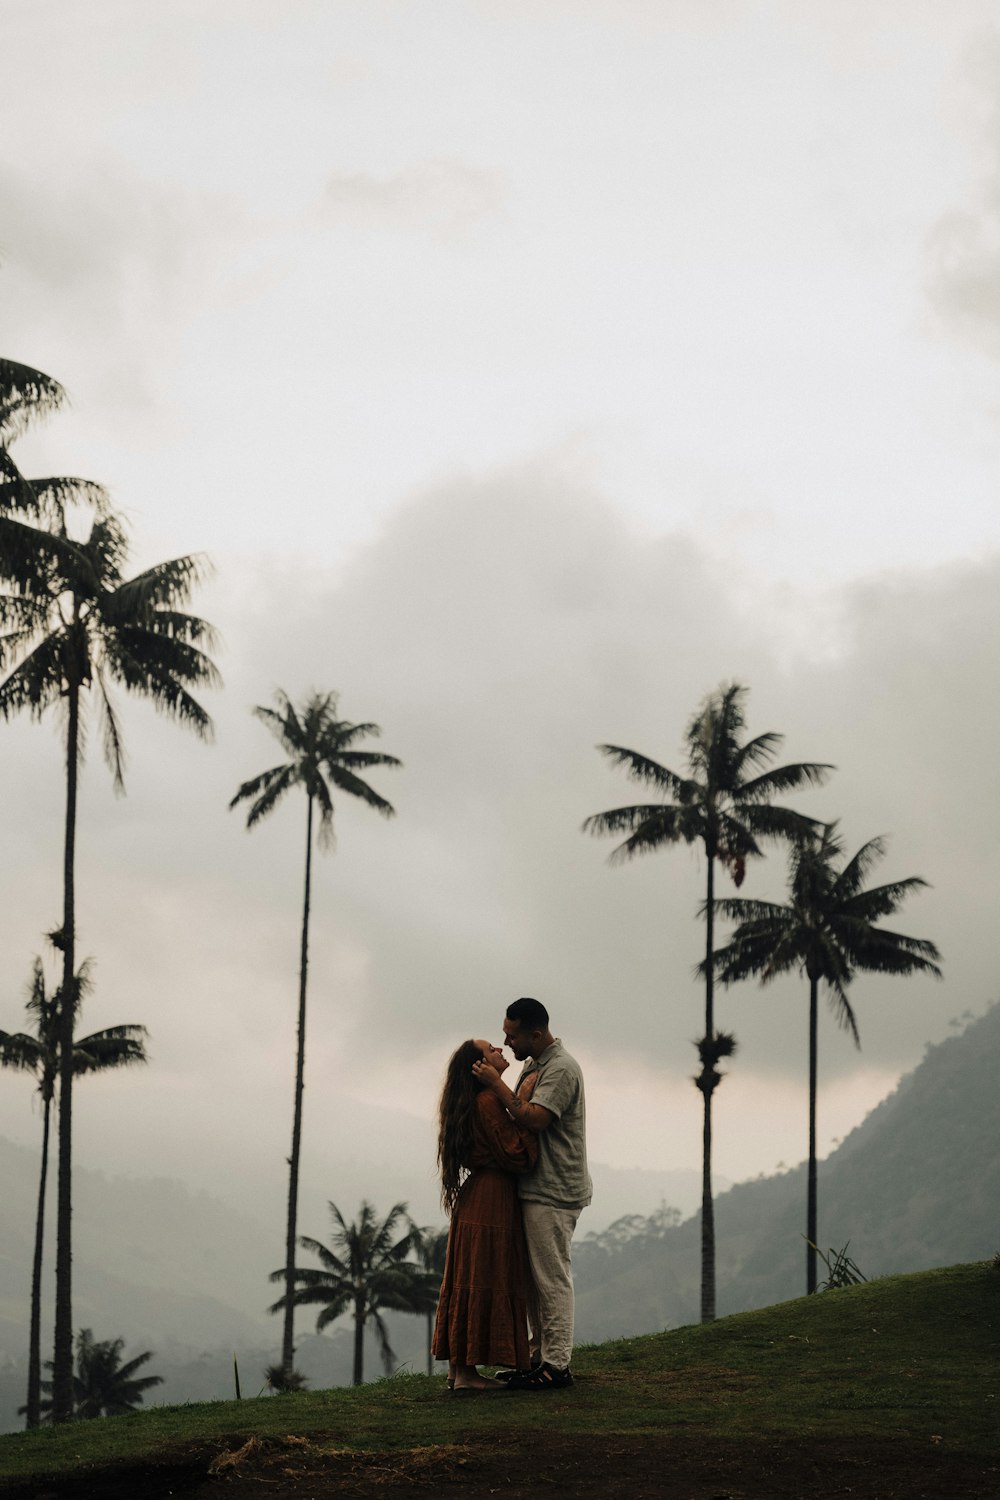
811, 1227
33, 1405
288, 1333
360, 1315
62, 1357
707, 1197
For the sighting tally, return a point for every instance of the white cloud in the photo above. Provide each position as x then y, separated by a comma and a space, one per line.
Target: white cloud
441, 198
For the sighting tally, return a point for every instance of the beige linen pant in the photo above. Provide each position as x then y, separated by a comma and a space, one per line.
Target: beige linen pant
549, 1233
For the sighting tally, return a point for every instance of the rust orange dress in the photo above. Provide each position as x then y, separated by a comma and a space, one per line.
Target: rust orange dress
482, 1316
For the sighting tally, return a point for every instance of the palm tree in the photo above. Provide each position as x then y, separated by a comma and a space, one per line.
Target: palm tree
78, 624
321, 751
102, 1385
367, 1272
37, 1052
826, 931
432, 1248
725, 804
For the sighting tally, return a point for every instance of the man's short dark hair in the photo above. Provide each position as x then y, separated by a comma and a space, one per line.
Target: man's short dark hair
531, 1014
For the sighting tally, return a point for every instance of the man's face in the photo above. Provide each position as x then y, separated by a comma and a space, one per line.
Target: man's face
517, 1039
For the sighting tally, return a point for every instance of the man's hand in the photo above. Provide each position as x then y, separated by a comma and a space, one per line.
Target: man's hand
534, 1117
486, 1074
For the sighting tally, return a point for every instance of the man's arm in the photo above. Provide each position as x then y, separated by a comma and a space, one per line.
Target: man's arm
534, 1117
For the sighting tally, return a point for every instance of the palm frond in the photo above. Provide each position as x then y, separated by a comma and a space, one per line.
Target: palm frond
643, 769
755, 752
127, 1370
333, 1310
877, 901
667, 825
20, 1051
362, 760
114, 749
768, 820
54, 496
267, 790
348, 782
38, 679
37, 560
385, 1348
26, 395
843, 1011
345, 734
335, 1265
784, 779
114, 1047
650, 826
166, 585
860, 865
160, 673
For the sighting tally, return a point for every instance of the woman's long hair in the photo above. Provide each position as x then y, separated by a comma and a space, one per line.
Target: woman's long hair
455, 1117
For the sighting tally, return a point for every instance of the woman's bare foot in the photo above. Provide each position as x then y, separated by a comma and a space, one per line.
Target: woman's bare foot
468, 1378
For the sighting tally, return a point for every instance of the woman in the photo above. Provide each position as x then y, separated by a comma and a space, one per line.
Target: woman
482, 1316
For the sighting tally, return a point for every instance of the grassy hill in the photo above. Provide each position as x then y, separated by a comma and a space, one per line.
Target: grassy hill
915, 1186
888, 1389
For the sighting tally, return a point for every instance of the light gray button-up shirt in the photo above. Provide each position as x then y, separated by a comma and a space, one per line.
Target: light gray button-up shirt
561, 1177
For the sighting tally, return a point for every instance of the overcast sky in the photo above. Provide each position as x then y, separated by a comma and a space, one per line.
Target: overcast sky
526, 370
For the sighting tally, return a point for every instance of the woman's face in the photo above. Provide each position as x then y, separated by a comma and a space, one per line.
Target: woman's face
493, 1056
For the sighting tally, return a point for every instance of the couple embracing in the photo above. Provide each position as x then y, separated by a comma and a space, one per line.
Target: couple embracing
514, 1179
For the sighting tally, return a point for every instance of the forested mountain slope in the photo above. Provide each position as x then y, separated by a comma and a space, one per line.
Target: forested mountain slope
916, 1185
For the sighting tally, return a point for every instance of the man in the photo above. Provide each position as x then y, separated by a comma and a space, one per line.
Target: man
552, 1195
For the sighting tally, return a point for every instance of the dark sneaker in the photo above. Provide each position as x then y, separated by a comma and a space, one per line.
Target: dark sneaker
546, 1378
506, 1376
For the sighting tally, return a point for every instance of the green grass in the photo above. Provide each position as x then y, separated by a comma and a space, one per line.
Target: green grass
904, 1358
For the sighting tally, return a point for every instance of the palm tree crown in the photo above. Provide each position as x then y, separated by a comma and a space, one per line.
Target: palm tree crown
102, 1385
79, 622
367, 1271
827, 932
37, 1052
827, 929
322, 750
724, 802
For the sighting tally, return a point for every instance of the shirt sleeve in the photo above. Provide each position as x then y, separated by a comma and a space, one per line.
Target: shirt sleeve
557, 1088
511, 1148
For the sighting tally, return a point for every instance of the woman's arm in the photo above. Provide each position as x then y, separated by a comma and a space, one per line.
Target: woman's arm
513, 1148
534, 1117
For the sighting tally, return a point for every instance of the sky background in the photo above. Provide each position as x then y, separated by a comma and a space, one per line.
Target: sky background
526, 370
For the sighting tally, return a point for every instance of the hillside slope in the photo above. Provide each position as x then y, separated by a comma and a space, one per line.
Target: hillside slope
917, 1185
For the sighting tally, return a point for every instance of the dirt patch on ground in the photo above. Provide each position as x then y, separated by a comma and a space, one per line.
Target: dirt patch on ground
661, 1466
